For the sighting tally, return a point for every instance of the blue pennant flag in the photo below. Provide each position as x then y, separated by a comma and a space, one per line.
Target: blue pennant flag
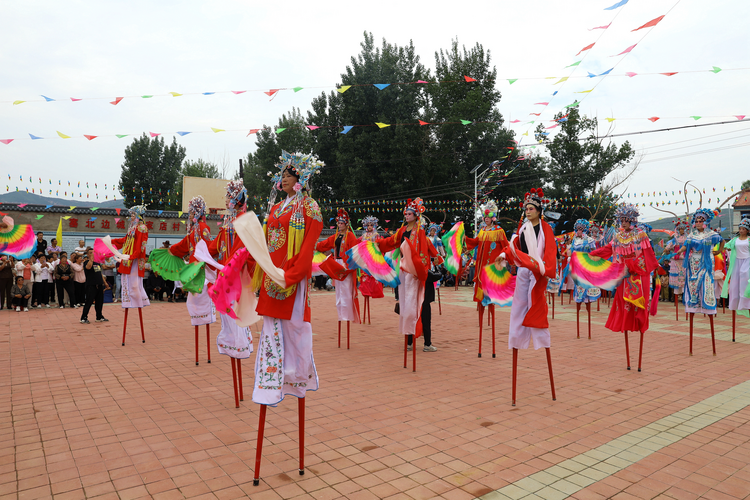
618, 4
381, 86
184, 133
607, 72
48, 99
33, 137
347, 128
590, 75
208, 93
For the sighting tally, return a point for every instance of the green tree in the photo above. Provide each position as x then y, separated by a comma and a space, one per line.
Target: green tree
150, 172
745, 184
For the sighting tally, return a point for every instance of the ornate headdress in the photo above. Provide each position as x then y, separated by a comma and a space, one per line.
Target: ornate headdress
535, 196
301, 166
196, 210
595, 227
434, 226
582, 224
416, 205
370, 219
745, 222
137, 210
681, 222
488, 209
236, 194
703, 213
646, 228
626, 212
342, 215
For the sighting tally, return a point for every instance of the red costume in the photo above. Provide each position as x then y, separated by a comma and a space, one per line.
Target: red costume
186, 246
490, 242
134, 245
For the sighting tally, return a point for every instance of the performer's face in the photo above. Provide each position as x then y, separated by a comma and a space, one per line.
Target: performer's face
681, 229
433, 232
625, 225
579, 233
370, 227
410, 216
532, 213
341, 225
287, 182
488, 221
743, 231
699, 224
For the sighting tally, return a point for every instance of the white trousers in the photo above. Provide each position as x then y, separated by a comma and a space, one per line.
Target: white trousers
519, 335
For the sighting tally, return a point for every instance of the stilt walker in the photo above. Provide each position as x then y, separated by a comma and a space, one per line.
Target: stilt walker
737, 284
133, 245
282, 251
489, 243
631, 248
677, 269
582, 242
699, 293
433, 233
369, 286
534, 252
347, 301
195, 275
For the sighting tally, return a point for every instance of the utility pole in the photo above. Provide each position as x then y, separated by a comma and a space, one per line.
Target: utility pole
478, 179
242, 173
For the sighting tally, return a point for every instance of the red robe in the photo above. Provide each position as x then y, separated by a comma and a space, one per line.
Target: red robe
225, 244
274, 301
134, 245
491, 242
422, 249
186, 246
349, 241
537, 315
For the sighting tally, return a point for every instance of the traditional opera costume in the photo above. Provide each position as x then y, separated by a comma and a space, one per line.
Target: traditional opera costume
534, 252
699, 294
582, 242
234, 340
280, 258
433, 233
416, 253
737, 283
631, 307
347, 302
595, 231
677, 268
132, 269
489, 243
369, 286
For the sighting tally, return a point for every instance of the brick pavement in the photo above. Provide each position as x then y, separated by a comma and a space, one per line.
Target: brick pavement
83, 417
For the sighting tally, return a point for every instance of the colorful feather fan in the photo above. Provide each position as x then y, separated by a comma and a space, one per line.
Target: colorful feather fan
498, 285
588, 273
367, 256
454, 243
318, 259
19, 242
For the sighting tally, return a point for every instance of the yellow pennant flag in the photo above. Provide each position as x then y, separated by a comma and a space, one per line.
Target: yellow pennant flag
63, 135
175, 94
180, 213
583, 92
382, 125
563, 79
18, 102
610, 120
59, 233
217, 130
341, 89
66, 217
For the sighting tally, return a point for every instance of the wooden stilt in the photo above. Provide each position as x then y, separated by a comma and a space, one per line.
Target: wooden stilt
440, 306
124, 326
578, 320
208, 342
301, 407
339, 334
481, 316
234, 383
640, 353
553, 306
570, 297
140, 317
492, 311
588, 310
627, 349
597, 303
196, 346
406, 346
734, 318
414, 353
515, 367
691, 333
561, 299
259, 445
551, 378
239, 378
369, 310
347, 334
713, 339
676, 308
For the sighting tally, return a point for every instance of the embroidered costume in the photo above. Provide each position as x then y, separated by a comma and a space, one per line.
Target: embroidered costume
584, 243
677, 269
489, 243
699, 292
132, 269
737, 284
369, 286
347, 302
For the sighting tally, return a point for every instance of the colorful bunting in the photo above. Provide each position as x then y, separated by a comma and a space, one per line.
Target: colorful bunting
347, 128
382, 125
182, 134
618, 4
217, 130
465, 122
653, 119
6, 141
587, 47
625, 51
601, 27
422, 123
343, 88
650, 24
469, 79
253, 131
116, 101
90, 137
175, 94
715, 69
381, 86
297, 89
62, 135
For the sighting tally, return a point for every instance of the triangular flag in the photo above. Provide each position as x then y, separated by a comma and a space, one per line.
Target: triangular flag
59, 234
175, 94
696, 118
516, 121
618, 4
587, 47
90, 137
625, 51
297, 89
66, 217
535, 114
118, 211
71, 208
382, 125
542, 103
573, 105
48, 99
381, 86
610, 120
116, 101
75, 100
590, 74
343, 88
469, 79
347, 128
62, 135
21, 205
39, 216
6, 141
512, 80
739, 117
601, 27
280, 130
253, 131
94, 209
563, 79
668, 74
239, 91
606, 72
651, 23
183, 133
18, 102
154, 134
312, 127
630, 74
716, 69
33, 137
271, 92
146, 96
117, 219
583, 92
217, 130
465, 122
120, 136
574, 64
179, 214
208, 93
423, 123
421, 81
653, 119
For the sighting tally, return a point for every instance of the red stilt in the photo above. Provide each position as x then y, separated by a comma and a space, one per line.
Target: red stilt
734, 317
492, 311
440, 306
301, 407
627, 349
140, 317
578, 320
553, 306
339, 334
691, 333
597, 304
347, 335
364, 309
406, 348
588, 310
208, 342
239, 378
561, 299
481, 316
369, 310
414, 354
234, 383
124, 326
640, 353
713, 340
723, 307
551, 378
259, 446
515, 366
196, 346
676, 308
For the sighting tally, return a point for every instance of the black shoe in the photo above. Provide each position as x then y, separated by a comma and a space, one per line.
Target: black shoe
85, 322
102, 320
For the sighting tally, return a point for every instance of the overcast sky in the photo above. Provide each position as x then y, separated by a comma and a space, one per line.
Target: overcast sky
103, 50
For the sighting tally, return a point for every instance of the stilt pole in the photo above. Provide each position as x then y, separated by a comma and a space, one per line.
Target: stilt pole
140, 317
124, 326
588, 310
208, 342
234, 383
301, 407
551, 378
239, 378
259, 446
492, 311
481, 317
691, 333
713, 339
627, 349
640, 353
196, 345
515, 367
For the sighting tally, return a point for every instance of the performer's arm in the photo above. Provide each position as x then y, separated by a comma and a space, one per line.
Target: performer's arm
182, 248
604, 252
300, 266
118, 243
390, 243
471, 243
327, 244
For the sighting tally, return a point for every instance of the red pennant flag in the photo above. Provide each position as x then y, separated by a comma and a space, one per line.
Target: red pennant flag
116, 101
423, 123
253, 131
469, 79
542, 103
90, 137
239, 91
271, 92
118, 211
625, 51
6, 141
587, 47
154, 134
653, 119
74, 99
669, 74
311, 127
651, 23
535, 114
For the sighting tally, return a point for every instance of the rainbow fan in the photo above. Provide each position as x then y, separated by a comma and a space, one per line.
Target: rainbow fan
318, 259
19, 242
367, 256
498, 285
454, 243
587, 272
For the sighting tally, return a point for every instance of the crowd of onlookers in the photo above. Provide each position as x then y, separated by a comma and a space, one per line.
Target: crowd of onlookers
53, 277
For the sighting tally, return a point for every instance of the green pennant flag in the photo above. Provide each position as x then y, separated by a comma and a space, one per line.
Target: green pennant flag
280, 130
120, 136
512, 80
147, 96
716, 69
39, 216
574, 64
696, 118
465, 122
572, 105
94, 209
297, 89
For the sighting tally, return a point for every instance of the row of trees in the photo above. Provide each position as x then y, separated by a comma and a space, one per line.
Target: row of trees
407, 161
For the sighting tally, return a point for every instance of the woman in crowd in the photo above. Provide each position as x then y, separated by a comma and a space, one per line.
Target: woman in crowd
21, 294
582, 242
79, 280
737, 283
64, 275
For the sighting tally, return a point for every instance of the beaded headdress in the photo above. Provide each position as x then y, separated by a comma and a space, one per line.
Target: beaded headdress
434, 226
342, 215
535, 197
301, 166
745, 222
236, 194
416, 205
703, 213
488, 209
370, 219
137, 210
646, 228
196, 210
626, 212
582, 224
680, 222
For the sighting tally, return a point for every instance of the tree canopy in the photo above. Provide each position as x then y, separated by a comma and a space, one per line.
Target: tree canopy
150, 172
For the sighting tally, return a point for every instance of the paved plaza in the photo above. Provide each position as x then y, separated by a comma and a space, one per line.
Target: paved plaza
83, 417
